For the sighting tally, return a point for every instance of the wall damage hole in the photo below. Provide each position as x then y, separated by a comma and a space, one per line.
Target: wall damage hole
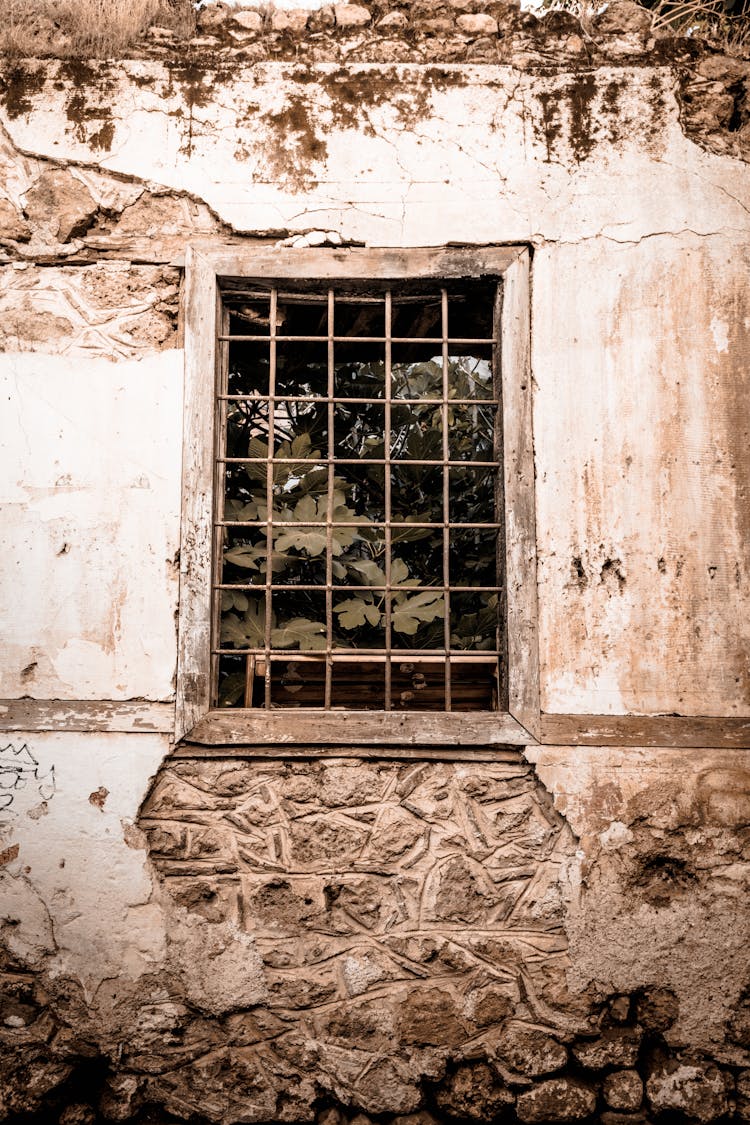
612, 575
99, 797
662, 878
27, 673
578, 574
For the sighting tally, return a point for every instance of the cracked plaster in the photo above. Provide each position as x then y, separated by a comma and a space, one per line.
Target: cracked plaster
639, 241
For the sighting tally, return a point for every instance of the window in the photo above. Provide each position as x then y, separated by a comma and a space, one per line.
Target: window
358, 541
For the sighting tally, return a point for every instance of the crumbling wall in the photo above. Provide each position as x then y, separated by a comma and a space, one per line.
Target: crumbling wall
551, 935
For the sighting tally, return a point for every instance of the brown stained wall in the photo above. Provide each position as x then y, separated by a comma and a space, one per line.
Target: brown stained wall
554, 935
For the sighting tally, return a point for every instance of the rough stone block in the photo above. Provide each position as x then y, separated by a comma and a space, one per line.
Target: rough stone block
293, 19
440, 25
690, 1087
657, 1009
623, 1089
394, 21
616, 1047
428, 1018
61, 203
352, 15
623, 17
529, 1051
477, 24
474, 1093
249, 20
213, 15
556, 1100
13, 227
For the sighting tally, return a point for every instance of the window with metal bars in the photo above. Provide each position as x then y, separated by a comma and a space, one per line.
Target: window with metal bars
358, 550
358, 529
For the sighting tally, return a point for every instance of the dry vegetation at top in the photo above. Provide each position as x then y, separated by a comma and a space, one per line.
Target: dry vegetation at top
88, 27
725, 23
101, 28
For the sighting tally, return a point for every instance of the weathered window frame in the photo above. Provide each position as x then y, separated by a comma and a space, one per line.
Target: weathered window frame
196, 721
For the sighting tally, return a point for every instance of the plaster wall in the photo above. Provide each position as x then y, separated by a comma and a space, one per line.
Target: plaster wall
201, 926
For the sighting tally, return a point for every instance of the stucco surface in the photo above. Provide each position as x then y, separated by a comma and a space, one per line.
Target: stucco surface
639, 302
90, 525
551, 936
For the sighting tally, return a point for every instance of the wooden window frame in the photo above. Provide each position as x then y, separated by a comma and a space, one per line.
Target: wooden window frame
195, 720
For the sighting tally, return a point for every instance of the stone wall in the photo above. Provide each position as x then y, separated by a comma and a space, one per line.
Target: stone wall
550, 934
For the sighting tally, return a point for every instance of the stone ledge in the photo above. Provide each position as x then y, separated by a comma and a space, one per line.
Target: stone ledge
493, 31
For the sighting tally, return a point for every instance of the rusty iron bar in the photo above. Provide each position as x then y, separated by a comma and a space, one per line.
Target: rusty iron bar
329, 503
220, 437
347, 401
464, 341
446, 498
387, 676
311, 587
268, 624
372, 525
398, 654
290, 462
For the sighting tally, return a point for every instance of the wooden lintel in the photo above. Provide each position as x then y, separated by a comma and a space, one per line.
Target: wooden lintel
301, 727
87, 715
646, 730
371, 753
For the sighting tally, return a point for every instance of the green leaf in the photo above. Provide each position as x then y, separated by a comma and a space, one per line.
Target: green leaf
300, 632
234, 599
231, 690
313, 542
411, 612
238, 510
368, 572
400, 574
354, 612
247, 631
246, 556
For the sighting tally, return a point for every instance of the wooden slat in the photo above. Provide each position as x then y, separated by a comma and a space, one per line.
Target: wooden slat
520, 514
312, 727
645, 730
374, 753
86, 715
361, 684
365, 263
194, 635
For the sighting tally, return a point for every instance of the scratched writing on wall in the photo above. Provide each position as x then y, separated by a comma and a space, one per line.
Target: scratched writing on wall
22, 776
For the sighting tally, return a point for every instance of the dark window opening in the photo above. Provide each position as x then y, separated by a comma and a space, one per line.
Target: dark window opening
358, 531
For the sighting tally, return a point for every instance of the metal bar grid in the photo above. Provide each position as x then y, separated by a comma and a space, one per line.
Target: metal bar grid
329, 503
299, 298
342, 652
351, 400
352, 588
388, 498
464, 341
402, 461
220, 435
335, 652
363, 522
446, 499
268, 625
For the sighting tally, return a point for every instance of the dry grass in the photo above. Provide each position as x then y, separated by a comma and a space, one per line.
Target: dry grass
706, 18
95, 28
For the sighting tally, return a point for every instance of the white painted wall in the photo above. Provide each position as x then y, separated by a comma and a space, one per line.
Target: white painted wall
90, 525
639, 315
